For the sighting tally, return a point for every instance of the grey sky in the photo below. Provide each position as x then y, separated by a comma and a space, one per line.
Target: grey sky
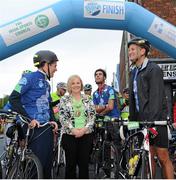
81, 51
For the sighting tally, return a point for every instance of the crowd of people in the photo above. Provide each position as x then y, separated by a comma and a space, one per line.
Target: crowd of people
76, 112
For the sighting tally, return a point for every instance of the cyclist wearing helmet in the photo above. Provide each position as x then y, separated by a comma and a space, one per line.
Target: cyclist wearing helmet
31, 98
88, 89
148, 100
124, 104
61, 90
56, 96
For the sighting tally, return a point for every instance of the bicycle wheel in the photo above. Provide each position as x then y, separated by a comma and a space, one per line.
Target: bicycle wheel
6, 164
3, 166
58, 162
30, 168
110, 160
96, 160
55, 165
145, 169
1, 171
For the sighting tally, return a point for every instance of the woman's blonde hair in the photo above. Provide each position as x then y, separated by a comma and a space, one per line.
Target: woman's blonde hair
70, 80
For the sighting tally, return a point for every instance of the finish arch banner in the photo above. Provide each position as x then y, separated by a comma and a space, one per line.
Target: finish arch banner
64, 15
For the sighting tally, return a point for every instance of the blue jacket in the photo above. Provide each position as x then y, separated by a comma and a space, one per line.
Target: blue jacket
31, 97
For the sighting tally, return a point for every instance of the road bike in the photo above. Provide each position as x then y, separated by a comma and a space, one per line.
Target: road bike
59, 156
138, 162
18, 161
104, 154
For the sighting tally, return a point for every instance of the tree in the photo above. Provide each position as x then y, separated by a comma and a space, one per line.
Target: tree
3, 101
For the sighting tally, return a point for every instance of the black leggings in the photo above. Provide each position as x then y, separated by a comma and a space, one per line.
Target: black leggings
77, 151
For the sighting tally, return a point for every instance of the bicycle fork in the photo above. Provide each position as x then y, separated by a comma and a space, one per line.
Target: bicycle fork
147, 148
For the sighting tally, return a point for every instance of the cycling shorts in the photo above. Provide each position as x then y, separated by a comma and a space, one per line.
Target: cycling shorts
161, 140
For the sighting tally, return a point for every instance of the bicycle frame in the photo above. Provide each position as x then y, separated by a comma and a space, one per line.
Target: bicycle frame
104, 153
145, 147
59, 146
22, 153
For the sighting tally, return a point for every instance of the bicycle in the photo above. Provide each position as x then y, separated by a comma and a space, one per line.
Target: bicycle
139, 165
18, 161
104, 154
7, 158
59, 155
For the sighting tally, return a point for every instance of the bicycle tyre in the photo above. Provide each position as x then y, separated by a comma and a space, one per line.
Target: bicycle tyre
55, 166
111, 164
30, 168
6, 164
96, 154
58, 162
145, 168
1, 171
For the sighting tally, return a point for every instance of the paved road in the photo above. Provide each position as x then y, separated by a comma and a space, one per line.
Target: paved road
1, 144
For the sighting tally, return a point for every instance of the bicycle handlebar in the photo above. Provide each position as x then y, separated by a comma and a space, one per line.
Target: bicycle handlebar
45, 124
12, 116
145, 123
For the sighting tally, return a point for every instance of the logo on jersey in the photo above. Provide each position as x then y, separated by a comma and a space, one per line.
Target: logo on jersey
23, 81
41, 84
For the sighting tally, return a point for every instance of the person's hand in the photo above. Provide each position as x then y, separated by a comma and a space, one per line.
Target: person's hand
55, 109
2, 121
75, 131
81, 132
34, 123
55, 125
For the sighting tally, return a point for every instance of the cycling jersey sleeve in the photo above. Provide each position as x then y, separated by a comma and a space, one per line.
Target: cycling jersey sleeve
111, 94
54, 103
15, 97
15, 101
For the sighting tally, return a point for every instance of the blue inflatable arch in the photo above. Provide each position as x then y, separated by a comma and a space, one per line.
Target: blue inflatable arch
64, 15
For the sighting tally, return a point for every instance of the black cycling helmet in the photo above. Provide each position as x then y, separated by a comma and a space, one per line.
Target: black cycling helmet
126, 90
62, 85
140, 42
44, 56
102, 70
87, 87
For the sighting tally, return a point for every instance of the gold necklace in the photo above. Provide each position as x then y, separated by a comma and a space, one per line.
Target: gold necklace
77, 108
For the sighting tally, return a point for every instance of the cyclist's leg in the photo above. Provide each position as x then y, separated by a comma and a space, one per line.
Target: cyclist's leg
166, 163
161, 142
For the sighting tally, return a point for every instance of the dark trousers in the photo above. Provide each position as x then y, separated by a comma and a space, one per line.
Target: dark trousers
41, 143
77, 151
